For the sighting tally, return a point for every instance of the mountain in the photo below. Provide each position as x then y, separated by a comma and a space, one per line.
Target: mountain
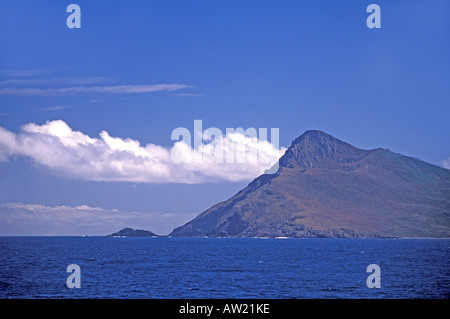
130, 232
325, 187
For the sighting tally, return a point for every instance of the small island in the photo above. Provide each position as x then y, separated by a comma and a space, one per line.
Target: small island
130, 232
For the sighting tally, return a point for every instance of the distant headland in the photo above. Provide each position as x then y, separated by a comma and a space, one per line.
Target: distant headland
130, 232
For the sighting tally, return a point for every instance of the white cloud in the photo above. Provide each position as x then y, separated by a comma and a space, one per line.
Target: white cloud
55, 108
74, 154
446, 163
187, 95
115, 89
56, 81
35, 220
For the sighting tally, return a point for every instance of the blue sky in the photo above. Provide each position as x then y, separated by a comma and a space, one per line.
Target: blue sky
292, 65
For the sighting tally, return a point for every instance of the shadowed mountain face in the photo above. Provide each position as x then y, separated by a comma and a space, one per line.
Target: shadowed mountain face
325, 187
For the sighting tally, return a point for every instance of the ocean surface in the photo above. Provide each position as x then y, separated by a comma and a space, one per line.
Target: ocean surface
35, 267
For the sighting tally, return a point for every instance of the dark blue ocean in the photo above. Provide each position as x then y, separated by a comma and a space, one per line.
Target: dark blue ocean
35, 267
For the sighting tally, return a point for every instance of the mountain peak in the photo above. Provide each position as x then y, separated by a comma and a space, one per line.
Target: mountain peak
314, 133
313, 148
317, 137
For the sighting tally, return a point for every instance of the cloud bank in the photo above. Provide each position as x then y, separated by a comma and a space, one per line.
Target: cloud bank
54, 145
18, 219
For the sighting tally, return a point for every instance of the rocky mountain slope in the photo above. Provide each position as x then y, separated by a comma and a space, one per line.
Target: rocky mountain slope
325, 187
